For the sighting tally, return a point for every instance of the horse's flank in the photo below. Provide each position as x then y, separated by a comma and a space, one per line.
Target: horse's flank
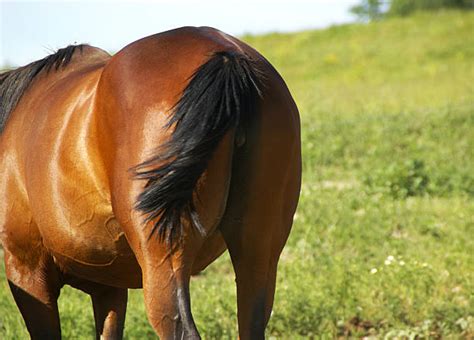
71, 214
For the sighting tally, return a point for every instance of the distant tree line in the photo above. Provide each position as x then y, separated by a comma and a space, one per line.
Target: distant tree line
378, 9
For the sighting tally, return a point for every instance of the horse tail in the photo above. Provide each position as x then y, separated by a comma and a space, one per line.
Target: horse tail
221, 95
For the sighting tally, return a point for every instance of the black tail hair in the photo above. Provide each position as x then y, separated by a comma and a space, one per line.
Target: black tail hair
221, 94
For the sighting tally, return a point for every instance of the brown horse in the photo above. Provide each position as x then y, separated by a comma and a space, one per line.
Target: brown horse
139, 170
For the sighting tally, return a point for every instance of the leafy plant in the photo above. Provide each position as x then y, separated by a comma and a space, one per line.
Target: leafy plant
406, 7
400, 180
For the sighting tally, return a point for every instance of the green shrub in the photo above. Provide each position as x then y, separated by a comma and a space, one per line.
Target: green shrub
400, 180
377, 9
406, 7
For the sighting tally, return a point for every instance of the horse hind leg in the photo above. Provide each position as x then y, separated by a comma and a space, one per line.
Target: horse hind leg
263, 196
167, 301
35, 288
167, 270
255, 263
109, 304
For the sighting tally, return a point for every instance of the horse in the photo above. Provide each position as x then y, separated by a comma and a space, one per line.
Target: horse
138, 170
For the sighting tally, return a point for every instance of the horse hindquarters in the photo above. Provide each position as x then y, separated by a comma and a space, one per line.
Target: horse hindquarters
190, 175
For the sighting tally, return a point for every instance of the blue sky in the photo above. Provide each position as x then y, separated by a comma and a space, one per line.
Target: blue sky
32, 29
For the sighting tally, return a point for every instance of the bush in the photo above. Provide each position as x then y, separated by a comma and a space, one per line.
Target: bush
400, 180
377, 9
406, 7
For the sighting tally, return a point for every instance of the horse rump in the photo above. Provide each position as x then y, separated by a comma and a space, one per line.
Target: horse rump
221, 95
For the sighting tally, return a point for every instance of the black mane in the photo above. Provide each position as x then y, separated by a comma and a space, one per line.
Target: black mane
15, 82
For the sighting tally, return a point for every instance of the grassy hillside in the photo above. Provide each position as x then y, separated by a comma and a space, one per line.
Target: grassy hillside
383, 238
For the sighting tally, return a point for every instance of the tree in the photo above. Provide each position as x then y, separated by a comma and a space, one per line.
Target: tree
368, 10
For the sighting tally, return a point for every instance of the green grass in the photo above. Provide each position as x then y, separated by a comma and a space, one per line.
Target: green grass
383, 238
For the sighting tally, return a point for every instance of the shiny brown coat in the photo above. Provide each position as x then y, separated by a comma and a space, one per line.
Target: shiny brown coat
67, 196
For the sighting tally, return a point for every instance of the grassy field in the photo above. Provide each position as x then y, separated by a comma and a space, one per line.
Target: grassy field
382, 243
